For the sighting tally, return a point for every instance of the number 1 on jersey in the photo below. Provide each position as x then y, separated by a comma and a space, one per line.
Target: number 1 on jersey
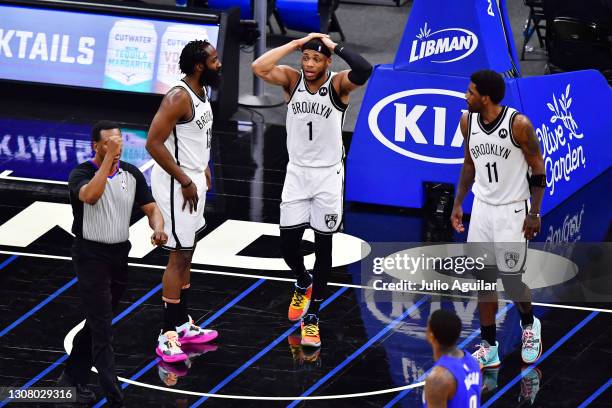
309, 124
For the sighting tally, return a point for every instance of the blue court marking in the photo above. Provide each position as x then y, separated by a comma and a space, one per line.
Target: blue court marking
65, 356
37, 307
8, 261
551, 350
461, 346
361, 349
264, 351
596, 394
208, 321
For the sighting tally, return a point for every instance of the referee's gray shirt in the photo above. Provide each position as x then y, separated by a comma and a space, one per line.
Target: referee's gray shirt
108, 220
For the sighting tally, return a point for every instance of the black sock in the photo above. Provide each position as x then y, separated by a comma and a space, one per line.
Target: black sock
172, 316
526, 318
489, 334
304, 280
315, 306
184, 315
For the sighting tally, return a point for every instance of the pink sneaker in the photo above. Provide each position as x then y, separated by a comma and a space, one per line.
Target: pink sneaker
190, 333
169, 347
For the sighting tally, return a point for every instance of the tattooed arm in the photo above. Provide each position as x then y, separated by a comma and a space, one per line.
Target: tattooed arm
525, 136
466, 179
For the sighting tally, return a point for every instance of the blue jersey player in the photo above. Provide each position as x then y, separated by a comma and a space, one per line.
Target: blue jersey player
455, 380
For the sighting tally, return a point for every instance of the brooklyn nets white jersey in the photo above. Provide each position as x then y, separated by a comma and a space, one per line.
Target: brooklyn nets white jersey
190, 140
314, 126
189, 145
501, 169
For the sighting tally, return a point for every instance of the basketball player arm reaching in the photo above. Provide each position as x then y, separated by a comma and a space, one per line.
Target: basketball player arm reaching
524, 134
267, 69
175, 106
466, 179
348, 80
440, 386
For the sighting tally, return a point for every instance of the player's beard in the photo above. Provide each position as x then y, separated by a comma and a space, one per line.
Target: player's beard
210, 78
317, 77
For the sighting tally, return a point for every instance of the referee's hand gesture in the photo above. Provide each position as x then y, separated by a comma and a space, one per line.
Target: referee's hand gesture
190, 196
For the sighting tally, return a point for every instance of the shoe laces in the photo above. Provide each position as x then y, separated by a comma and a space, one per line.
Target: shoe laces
482, 351
298, 299
528, 341
311, 329
172, 340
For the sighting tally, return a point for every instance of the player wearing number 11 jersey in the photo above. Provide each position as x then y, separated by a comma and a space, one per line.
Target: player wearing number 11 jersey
503, 161
313, 191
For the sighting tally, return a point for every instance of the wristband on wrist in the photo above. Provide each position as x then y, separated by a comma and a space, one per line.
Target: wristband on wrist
537, 215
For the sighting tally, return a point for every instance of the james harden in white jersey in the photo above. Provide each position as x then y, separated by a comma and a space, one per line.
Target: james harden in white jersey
179, 140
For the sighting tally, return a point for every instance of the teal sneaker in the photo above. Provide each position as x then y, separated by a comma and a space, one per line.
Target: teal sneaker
487, 355
532, 342
530, 385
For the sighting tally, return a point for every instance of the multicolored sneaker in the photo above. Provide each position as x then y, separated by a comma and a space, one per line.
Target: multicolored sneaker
530, 385
299, 304
303, 358
310, 331
170, 373
532, 342
487, 355
169, 347
190, 333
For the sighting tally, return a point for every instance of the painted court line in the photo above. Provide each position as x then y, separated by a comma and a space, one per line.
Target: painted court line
596, 394
263, 351
38, 307
361, 349
65, 356
275, 278
207, 322
8, 261
551, 350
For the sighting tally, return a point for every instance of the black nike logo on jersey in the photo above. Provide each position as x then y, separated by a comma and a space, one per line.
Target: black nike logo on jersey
474, 133
301, 90
197, 104
518, 211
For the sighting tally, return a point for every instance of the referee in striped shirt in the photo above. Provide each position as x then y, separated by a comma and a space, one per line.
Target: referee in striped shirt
103, 192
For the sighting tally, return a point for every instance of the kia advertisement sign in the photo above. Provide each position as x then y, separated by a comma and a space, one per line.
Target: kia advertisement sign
407, 133
437, 110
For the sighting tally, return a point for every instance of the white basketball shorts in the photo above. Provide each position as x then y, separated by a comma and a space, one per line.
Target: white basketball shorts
180, 225
499, 229
313, 197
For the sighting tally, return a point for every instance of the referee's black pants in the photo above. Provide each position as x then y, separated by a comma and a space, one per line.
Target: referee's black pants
102, 276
